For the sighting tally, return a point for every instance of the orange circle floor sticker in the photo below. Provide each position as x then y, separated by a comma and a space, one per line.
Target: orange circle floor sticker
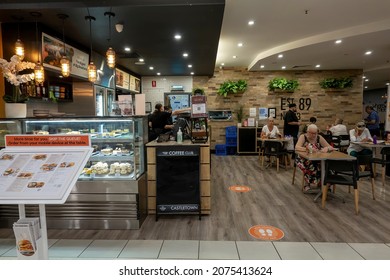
266, 232
238, 188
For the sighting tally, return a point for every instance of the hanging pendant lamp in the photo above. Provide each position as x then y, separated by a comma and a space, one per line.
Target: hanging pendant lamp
39, 71
110, 54
19, 46
65, 62
92, 72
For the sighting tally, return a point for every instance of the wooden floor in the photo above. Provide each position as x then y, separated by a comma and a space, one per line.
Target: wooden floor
273, 201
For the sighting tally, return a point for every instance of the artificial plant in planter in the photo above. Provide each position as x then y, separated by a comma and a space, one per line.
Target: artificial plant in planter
336, 83
231, 87
282, 84
198, 91
240, 115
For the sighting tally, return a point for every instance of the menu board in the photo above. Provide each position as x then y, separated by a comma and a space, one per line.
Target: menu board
36, 175
122, 79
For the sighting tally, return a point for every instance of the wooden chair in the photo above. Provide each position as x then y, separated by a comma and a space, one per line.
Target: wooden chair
274, 149
341, 172
383, 160
303, 176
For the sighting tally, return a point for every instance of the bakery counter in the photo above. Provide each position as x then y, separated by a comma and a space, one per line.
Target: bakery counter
202, 174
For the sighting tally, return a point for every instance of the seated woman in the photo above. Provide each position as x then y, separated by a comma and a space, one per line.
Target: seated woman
270, 130
311, 141
359, 134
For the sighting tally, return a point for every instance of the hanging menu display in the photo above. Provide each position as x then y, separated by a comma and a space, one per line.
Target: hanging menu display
122, 79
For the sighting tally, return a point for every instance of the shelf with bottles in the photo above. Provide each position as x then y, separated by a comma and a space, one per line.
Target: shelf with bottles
60, 92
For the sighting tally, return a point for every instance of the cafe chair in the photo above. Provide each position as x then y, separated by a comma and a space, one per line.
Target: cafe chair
303, 176
341, 172
274, 149
383, 160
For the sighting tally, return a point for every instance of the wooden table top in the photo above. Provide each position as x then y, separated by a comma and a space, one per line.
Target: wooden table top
323, 156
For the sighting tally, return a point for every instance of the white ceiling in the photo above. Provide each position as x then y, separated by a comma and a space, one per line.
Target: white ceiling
304, 31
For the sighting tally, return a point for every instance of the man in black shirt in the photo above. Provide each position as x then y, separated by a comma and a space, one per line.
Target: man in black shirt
291, 122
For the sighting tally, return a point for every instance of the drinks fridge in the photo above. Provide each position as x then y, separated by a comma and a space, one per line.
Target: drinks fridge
104, 98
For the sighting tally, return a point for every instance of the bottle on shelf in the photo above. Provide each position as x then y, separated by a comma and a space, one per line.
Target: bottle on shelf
179, 136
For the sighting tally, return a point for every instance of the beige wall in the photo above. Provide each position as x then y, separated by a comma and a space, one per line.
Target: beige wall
324, 105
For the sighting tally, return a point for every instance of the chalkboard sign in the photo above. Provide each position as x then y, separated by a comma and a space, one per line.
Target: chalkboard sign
177, 180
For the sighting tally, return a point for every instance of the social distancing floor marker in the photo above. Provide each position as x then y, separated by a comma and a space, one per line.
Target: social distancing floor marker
238, 188
266, 232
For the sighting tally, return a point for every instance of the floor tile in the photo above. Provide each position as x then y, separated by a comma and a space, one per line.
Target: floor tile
218, 250
335, 251
104, 249
68, 248
142, 249
180, 249
296, 251
372, 251
6, 245
252, 250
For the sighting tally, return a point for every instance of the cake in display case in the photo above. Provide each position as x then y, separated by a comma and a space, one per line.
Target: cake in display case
111, 190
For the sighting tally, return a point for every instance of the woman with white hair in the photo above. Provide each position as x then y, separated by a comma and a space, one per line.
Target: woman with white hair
270, 130
311, 142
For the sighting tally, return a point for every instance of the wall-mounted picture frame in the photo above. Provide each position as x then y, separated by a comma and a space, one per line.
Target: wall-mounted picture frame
272, 112
148, 107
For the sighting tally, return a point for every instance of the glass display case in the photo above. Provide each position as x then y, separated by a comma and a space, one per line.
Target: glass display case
118, 143
111, 192
8, 126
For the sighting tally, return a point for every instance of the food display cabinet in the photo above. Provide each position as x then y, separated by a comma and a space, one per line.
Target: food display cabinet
111, 190
8, 126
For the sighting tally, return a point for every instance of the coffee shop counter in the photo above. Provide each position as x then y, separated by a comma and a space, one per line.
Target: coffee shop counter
204, 171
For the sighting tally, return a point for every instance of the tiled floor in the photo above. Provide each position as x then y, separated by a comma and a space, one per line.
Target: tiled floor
204, 250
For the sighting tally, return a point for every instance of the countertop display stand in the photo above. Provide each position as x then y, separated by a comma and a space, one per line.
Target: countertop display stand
199, 115
29, 160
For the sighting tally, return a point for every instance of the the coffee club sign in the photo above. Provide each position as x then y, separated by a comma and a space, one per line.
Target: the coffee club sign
303, 104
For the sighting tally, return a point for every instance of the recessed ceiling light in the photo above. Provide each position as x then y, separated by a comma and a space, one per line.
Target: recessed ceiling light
387, 84
318, 66
368, 52
240, 44
141, 60
283, 67
192, 73
280, 55
366, 87
222, 64
189, 65
251, 22
234, 56
262, 66
127, 49
366, 80
338, 41
158, 73
363, 77
185, 54
151, 67
177, 36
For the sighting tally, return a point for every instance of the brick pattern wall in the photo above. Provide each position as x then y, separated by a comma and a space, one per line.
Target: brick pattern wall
326, 106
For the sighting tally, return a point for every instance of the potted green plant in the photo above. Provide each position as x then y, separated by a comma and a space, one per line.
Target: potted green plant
198, 91
282, 84
232, 87
14, 71
336, 83
240, 115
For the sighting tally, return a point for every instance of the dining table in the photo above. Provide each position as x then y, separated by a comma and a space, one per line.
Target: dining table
322, 157
283, 140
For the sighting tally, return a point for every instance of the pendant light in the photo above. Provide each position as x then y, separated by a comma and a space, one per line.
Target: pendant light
92, 72
110, 54
65, 62
19, 47
39, 72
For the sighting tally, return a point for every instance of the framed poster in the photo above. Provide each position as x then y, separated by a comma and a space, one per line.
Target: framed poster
263, 114
148, 107
272, 112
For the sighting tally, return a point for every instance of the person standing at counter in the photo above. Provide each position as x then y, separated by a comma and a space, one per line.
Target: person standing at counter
160, 120
291, 122
372, 121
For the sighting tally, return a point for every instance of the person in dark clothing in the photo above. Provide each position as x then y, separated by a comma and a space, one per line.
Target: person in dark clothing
160, 121
372, 121
291, 122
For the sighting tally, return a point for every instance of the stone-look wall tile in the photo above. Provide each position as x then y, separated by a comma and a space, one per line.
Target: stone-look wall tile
326, 106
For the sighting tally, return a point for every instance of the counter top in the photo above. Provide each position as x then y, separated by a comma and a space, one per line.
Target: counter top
154, 143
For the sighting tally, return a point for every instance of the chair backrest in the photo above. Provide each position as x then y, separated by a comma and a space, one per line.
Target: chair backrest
385, 151
348, 169
344, 140
364, 159
336, 141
